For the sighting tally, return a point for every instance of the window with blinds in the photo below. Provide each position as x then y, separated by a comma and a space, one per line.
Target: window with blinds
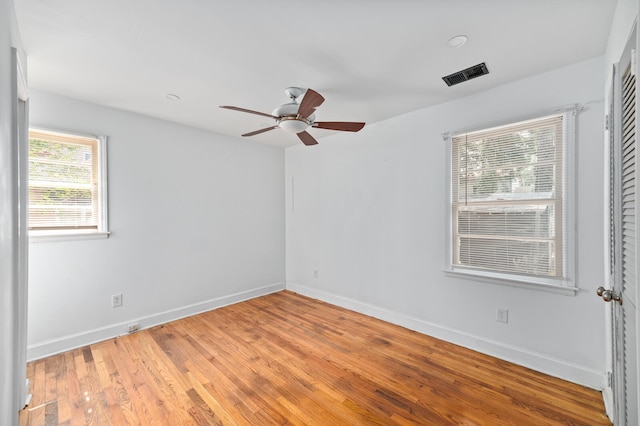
64, 183
508, 205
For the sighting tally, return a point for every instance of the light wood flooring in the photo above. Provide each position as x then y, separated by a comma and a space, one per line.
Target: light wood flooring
287, 359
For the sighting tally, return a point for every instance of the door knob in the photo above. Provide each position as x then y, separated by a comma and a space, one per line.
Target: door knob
608, 295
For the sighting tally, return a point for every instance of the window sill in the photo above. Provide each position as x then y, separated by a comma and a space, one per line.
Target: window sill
513, 281
57, 236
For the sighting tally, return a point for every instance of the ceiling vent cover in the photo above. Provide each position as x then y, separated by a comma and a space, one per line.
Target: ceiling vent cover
464, 75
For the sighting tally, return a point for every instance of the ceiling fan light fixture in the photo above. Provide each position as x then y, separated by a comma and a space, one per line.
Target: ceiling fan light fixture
293, 125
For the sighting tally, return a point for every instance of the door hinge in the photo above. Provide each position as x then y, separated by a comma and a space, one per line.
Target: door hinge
609, 379
606, 122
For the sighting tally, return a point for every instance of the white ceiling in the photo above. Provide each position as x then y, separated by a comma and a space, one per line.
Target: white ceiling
371, 59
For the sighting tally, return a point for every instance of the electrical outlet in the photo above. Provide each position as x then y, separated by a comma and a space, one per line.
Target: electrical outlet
116, 300
502, 315
133, 328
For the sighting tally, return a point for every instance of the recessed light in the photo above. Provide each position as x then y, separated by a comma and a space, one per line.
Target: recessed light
458, 41
173, 97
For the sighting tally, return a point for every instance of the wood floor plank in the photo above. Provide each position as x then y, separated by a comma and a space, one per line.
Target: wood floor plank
145, 404
174, 398
37, 415
358, 382
288, 359
37, 382
311, 357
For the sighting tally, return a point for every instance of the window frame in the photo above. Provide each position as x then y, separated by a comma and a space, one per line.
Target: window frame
564, 284
102, 232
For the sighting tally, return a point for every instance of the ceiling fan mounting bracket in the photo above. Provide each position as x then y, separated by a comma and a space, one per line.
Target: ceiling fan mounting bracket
294, 92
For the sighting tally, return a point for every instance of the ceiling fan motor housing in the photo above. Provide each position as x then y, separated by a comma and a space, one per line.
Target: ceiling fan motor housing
290, 109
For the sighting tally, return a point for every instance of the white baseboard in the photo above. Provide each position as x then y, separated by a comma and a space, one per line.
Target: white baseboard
607, 396
28, 396
536, 361
66, 343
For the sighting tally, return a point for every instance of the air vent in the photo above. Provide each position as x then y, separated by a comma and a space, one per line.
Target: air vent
464, 75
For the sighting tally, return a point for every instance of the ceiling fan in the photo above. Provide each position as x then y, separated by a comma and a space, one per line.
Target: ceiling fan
296, 117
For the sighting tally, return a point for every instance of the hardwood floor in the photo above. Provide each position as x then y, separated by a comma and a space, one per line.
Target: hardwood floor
288, 359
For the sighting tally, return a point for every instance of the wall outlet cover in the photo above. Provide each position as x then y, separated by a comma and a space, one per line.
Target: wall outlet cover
116, 300
502, 315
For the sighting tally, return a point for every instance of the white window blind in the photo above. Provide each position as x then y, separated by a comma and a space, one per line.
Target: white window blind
508, 199
64, 190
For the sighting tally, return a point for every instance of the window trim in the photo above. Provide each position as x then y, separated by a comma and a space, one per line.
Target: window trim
565, 285
38, 236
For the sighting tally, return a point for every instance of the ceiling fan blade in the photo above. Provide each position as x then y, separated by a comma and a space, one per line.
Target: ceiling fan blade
307, 139
310, 101
257, 132
249, 111
345, 126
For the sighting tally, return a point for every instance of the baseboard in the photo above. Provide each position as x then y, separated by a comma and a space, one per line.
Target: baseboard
66, 343
607, 396
517, 355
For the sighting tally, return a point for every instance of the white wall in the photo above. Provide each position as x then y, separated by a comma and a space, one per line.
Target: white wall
12, 300
367, 211
197, 221
621, 27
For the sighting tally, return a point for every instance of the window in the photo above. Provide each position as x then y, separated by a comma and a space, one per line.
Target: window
67, 184
510, 193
